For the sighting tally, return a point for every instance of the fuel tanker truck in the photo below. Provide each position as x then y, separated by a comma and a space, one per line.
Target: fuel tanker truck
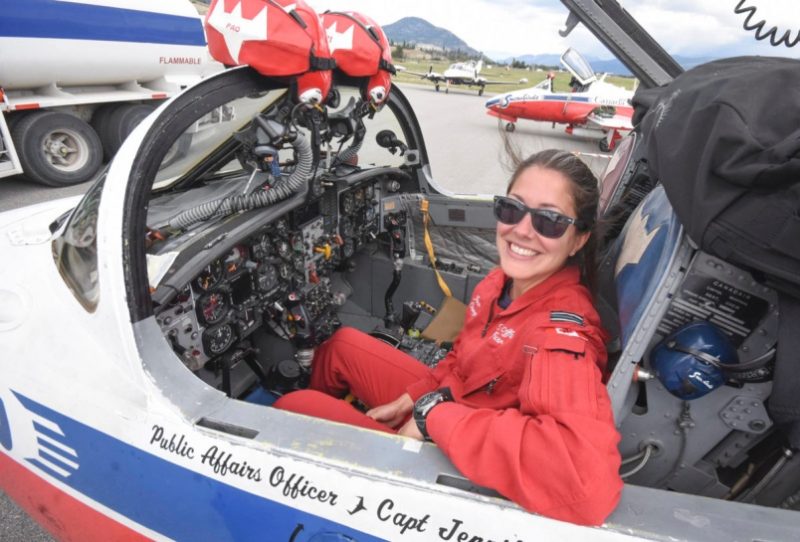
76, 76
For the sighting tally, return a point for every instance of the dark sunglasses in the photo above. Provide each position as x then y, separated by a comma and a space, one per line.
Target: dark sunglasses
547, 223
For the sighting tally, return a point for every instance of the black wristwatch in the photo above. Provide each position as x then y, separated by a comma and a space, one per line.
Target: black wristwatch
424, 405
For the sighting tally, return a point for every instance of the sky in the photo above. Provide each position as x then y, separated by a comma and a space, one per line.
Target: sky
509, 28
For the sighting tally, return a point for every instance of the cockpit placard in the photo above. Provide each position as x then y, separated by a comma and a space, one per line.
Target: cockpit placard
734, 310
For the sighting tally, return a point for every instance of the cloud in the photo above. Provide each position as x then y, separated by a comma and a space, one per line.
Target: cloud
696, 28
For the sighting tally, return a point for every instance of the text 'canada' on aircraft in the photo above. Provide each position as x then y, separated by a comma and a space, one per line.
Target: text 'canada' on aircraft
591, 108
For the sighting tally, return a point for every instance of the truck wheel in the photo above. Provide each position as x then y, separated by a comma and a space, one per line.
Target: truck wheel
57, 149
121, 123
100, 123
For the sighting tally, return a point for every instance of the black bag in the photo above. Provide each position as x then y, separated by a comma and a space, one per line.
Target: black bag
724, 140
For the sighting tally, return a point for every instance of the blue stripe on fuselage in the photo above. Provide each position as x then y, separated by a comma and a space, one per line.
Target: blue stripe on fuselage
565, 98
177, 502
68, 20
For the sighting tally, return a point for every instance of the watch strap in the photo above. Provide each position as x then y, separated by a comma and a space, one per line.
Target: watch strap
425, 404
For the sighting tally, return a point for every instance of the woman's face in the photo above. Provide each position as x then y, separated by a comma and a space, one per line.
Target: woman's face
526, 256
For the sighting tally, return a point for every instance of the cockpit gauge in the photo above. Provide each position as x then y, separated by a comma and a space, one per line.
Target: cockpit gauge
284, 271
347, 203
283, 249
236, 254
358, 198
267, 278
218, 339
297, 242
209, 276
281, 227
345, 227
348, 248
316, 187
212, 307
235, 258
262, 249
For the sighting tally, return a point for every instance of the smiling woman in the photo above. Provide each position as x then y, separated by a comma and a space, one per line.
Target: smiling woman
533, 319
562, 192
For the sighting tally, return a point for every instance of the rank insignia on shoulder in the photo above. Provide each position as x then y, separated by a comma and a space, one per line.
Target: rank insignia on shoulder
563, 316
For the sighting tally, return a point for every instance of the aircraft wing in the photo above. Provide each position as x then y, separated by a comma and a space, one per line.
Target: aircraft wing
430, 76
609, 122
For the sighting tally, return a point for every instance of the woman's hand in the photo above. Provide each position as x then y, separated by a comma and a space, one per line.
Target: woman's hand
410, 430
392, 414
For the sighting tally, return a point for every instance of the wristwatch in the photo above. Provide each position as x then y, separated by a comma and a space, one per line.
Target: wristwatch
424, 405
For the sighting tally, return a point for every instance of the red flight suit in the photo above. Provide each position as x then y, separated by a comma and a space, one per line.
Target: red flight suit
531, 417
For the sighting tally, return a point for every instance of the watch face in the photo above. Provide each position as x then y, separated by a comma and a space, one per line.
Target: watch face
427, 401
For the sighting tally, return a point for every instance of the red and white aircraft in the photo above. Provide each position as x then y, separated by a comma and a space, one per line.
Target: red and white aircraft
462, 73
592, 108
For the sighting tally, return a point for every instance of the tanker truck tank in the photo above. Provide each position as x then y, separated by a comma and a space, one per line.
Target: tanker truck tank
76, 77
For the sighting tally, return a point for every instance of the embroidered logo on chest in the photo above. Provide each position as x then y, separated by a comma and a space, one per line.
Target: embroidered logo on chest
474, 306
502, 333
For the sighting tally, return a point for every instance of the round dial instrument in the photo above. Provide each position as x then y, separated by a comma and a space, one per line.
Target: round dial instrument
283, 249
267, 278
209, 276
218, 339
358, 197
299, 263
347, 203
284, 270
345, 226
297, 242
212, 307
348, 248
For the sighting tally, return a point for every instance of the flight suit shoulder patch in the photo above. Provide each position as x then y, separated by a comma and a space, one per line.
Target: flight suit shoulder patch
566, 317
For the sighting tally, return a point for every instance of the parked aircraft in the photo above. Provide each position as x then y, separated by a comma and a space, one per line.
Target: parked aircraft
590, 108
147, 327
462, 73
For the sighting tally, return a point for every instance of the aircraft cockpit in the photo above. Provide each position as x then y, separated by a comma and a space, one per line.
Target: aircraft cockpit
250, 268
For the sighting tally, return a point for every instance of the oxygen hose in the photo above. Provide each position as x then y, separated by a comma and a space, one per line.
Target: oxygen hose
359, 131
350, 152
232, 204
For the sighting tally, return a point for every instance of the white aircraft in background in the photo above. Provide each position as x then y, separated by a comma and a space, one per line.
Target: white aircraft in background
591, 108
462, 73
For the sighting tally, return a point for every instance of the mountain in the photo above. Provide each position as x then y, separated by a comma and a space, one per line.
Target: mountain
613, 65
420, 31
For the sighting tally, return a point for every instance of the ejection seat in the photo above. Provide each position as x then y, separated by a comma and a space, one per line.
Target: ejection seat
652, 281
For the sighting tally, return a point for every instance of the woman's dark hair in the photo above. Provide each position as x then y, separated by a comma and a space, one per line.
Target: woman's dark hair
586, 196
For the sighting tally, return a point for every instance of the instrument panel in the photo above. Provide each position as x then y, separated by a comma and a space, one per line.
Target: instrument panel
277, 279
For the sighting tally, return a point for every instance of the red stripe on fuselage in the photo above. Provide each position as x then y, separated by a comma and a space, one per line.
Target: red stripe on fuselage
65, 517
562, 112
552, 111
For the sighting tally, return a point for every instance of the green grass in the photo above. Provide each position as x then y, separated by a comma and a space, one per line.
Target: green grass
498, 73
